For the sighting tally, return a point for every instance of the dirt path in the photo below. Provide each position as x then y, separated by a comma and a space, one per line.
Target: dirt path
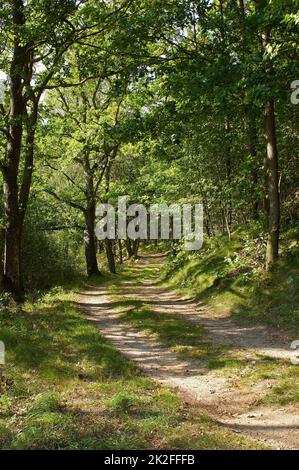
233, 405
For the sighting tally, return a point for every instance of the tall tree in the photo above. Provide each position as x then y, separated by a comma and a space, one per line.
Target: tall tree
87, 120
34, 56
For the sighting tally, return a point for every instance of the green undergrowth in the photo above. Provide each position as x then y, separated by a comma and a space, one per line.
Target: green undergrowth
230, 277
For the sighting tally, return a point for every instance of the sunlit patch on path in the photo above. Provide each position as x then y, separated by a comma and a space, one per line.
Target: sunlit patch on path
236, 406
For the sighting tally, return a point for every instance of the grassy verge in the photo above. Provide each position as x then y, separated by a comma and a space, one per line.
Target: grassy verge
65, 387
229, 276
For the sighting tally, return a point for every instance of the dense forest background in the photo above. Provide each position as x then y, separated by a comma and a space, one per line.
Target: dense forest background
178, 101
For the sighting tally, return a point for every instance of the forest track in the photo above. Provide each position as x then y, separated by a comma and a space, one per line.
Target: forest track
235, 406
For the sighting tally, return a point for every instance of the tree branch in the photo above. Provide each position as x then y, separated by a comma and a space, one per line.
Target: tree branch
65, 201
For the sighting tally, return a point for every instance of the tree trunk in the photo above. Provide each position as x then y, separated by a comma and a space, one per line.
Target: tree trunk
90, 242
109, 243
136, 244
110, 256
29, 162
2, 237
129, 248
12, 250
272, 250
120, 251
273, 187
13, 223
228, 162
253, 154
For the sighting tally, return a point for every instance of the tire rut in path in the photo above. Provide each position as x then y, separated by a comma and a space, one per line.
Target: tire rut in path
218, 395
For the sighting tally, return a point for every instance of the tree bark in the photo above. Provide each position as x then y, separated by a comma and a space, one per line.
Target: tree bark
272, 251
29, 161
110, 256
2, 237
90, 241
253, 154
228, 163
13, 223
109, 243
129, 248
273, 187
136, 244
120, 251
